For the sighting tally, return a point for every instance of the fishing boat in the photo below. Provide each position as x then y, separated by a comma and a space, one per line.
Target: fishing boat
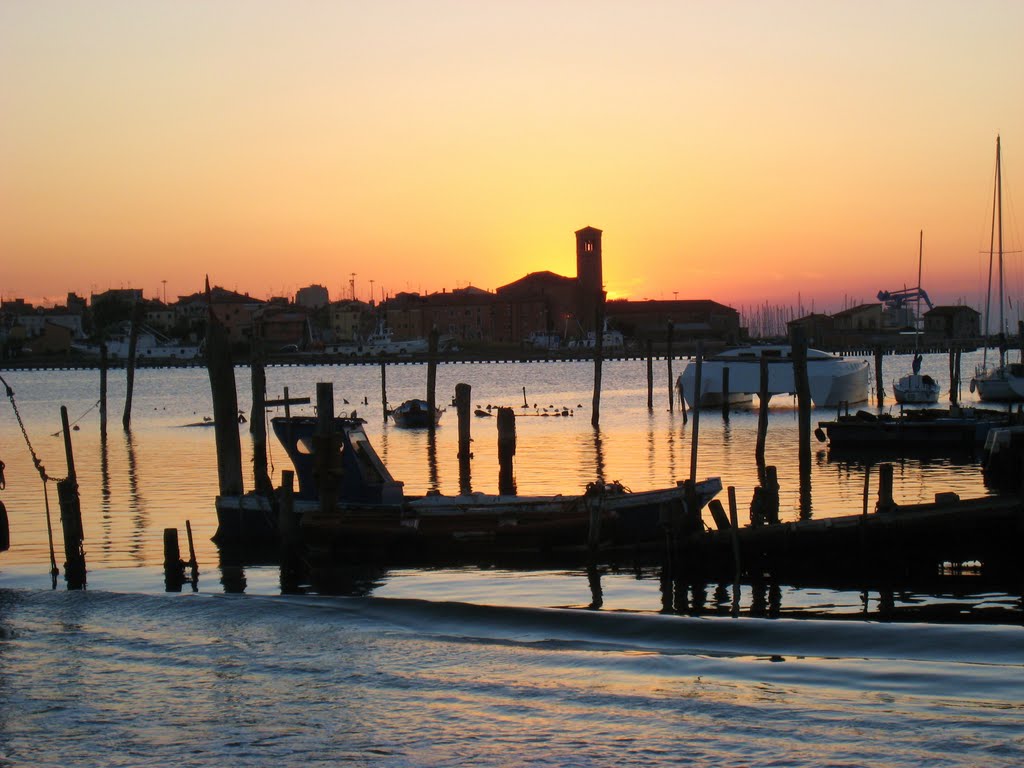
917, 388
149, 344
373, 514
415, 414
1005, 381
833, 379
933, 430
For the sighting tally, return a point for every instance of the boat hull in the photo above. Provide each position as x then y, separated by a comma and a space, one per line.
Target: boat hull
915, 389
833, 380
472, 525
936, 430
1000, 385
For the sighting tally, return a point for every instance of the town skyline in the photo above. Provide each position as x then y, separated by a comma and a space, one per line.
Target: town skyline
786, 153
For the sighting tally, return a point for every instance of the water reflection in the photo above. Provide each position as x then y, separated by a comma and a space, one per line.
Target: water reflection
434, 482
136, 504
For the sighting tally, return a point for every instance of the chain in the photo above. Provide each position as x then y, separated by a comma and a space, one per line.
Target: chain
35, 458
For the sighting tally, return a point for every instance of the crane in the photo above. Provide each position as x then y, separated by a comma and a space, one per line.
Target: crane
896, 299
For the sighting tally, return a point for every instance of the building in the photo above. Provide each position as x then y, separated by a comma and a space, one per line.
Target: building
313, 297
863, 317
953, 322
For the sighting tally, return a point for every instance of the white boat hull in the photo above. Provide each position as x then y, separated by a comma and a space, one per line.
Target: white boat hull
1000, 385
915, 389
833, 380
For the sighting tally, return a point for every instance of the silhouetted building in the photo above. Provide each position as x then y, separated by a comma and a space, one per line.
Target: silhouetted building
589, 277
953, 322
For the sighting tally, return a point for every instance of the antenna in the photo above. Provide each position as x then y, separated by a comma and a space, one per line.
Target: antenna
352, 284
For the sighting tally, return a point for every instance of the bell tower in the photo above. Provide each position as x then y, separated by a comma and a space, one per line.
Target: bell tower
589, 279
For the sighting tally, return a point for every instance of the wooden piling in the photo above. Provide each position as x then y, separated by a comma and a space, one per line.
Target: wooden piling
174, 566
595, 411
193, 564
287, 522
734, 537
879, 381
763, 398
103, 389
326, 456
885, 500
258, 424
71, 515
671, 381
650, 375
432, 376
725, 393
771, 486
384, 389
225, 406
462, 411
506, 451
133, 341
695, 434
803, 397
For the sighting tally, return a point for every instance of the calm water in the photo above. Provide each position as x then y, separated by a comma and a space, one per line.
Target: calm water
462, 666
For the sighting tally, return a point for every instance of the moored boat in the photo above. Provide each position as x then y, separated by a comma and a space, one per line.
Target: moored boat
415, 414
373, 514
936, 430
833, 379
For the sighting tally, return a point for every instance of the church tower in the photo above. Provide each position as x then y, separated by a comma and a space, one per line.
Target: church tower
589, 279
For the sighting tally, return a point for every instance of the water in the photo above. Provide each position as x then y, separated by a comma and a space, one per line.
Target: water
467, 666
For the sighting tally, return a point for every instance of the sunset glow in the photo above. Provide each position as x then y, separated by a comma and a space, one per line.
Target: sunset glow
745, 152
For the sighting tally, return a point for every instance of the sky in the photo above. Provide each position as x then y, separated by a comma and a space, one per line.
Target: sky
747, 152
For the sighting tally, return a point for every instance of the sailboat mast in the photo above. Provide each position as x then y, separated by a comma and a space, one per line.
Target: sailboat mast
999, 195
917, 310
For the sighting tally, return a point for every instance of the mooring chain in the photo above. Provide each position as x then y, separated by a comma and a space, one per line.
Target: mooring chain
17, 414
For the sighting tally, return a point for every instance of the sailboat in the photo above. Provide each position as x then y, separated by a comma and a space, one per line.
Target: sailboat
1005, 382
915, 388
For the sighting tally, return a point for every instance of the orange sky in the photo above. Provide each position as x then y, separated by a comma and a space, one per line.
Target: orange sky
746, 151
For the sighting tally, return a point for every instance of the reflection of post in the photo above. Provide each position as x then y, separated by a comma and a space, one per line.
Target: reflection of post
506, 450
384, 389
599, 456
762, 418
885, 500
697, 390
735, 539
434, 475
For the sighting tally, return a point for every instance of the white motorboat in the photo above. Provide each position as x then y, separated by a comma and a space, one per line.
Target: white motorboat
1003, 382
833, 379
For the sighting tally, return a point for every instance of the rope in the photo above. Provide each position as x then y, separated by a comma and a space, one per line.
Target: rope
87, 412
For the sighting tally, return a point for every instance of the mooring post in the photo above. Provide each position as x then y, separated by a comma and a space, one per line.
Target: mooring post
133, 341
462, 410
506, 450
193, 564
885, 501
671, 382
225, 405
258, 423
803, 398
327, 458
650, 375
71, 514
697, 389
103, 389
954, 374
174, 567
879, 382
384, 389
725, 393
432, 377
595, 411
763, 398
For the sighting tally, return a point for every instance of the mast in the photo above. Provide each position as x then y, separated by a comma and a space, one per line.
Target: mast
917, 310
999, 197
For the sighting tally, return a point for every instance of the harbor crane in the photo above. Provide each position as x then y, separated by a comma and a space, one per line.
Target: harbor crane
897, 299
